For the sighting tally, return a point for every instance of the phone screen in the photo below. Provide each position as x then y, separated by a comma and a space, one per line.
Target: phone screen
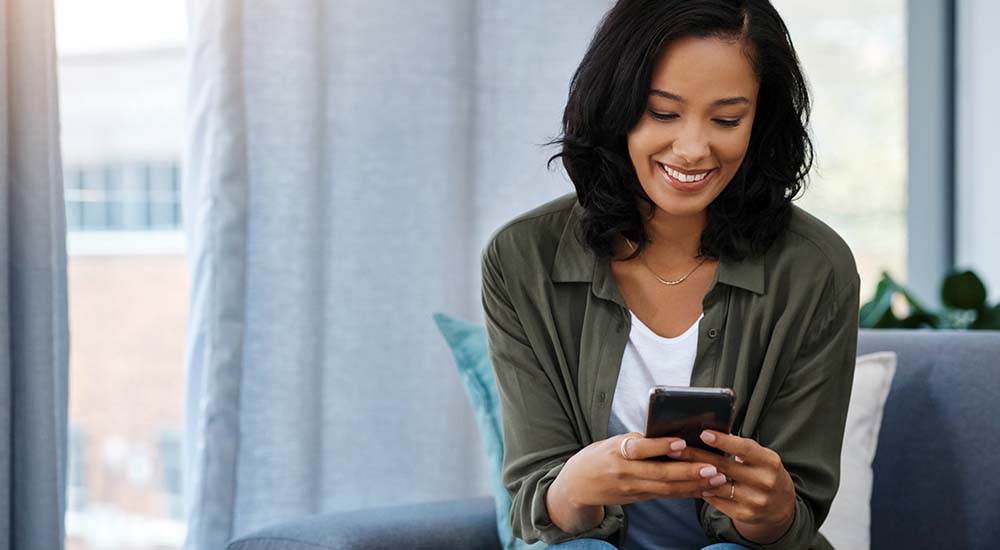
678, 411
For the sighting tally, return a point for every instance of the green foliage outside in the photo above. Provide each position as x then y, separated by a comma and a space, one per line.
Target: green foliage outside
963, 296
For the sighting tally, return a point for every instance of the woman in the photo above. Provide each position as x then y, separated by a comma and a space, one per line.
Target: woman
679, 260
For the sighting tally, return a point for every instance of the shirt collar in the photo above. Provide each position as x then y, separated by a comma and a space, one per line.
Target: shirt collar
576, 263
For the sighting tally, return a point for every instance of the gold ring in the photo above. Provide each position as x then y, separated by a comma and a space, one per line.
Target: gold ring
622, 449
733, 490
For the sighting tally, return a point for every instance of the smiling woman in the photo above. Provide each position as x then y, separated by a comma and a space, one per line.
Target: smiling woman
685, 136
690, 140
680, 84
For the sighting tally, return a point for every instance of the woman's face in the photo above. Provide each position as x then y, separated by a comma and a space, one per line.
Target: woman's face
698, 119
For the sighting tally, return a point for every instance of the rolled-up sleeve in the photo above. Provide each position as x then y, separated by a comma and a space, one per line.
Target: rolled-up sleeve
805, 421
538, 436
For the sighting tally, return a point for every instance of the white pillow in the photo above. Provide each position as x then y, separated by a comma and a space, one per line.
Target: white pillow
848, 525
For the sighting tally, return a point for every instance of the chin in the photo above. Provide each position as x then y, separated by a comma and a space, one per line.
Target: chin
685, 211
679, 204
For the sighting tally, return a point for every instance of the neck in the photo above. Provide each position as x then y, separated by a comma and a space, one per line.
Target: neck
674, 239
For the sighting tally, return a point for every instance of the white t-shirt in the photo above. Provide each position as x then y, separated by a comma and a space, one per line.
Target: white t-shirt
649, 360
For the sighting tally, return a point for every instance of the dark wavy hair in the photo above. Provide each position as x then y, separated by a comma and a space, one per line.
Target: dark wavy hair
608, 95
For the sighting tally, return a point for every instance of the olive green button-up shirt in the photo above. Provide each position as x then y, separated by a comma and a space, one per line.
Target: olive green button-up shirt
779, 329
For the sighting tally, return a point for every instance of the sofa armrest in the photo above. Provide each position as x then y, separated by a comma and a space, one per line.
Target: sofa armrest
465, 523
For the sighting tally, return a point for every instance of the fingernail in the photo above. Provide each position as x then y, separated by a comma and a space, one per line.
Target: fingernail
678, 445
717, 480
708, 436
708, 471
674, 454
707, 494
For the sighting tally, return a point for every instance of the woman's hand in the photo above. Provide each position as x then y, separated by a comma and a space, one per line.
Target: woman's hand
763, 496
598, 474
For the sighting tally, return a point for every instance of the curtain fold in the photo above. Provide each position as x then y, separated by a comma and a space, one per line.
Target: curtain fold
34, 327
345, 163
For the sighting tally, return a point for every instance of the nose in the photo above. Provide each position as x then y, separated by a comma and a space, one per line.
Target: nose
691, 145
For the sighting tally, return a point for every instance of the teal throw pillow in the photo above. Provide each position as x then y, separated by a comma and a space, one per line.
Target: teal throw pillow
468, 345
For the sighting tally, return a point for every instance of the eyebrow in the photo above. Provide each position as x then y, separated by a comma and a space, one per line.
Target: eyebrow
724, 101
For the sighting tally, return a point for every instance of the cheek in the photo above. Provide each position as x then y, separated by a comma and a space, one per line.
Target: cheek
734, 148
646, 141
640, 146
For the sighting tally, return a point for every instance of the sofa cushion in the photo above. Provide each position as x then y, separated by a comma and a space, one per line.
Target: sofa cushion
938, 447
468, 345
848, 523
465, 523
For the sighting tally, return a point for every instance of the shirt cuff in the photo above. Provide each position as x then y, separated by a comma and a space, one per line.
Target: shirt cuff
542, 528
800, 535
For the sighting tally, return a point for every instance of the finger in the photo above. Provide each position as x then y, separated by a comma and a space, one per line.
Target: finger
749, 498
670, 471
636, 497
732, 468
639, 447
749, 450
731, 508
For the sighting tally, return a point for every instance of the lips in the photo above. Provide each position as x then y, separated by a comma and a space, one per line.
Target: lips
687, 186
685, 172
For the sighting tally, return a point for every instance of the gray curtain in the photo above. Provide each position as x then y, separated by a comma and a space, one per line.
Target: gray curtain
33, 310
346, 162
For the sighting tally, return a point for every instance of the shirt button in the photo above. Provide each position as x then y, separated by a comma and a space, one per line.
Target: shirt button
712, 333
600, 397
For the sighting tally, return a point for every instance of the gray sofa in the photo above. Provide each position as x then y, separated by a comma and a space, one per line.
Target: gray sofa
936, 481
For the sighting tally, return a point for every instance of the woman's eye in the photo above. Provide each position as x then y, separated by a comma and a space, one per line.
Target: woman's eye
720, 121
662, 116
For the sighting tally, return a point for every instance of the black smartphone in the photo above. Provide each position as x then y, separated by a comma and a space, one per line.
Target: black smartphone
683, 411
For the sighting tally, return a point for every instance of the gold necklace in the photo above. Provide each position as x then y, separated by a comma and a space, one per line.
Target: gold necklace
661, 279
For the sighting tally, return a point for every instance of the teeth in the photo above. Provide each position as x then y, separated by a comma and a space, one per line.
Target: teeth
684, 177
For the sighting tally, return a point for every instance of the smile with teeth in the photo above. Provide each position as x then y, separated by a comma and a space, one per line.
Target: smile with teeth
683, 177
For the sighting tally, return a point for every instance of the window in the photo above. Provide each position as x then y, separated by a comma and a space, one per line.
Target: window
854, 54
170, 472
76, 472
124, 197
122, 75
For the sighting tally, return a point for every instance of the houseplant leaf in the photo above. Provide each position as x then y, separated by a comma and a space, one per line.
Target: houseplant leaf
989, 318
877, 312
920, 320
963, 290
